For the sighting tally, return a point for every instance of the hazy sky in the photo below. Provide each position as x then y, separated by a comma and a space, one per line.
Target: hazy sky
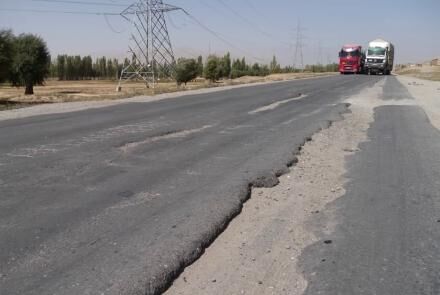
257, 28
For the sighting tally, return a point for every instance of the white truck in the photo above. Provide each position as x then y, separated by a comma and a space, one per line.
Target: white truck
379, 57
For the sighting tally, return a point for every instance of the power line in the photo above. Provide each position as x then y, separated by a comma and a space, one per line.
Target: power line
57, 11
218, 36
251, 24
174, 25
111, 27
249, 4
82, 2
126, 12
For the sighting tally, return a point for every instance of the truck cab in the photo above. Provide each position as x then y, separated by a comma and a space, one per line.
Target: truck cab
379, 57
351, 59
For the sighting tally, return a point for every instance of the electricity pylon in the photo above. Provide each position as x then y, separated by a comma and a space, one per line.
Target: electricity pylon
150, 52
299, 45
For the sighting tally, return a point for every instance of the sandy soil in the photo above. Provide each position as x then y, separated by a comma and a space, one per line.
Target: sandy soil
427, 95
258, 252
279, 77
424, 72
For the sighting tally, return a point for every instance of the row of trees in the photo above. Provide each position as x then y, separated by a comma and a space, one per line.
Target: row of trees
217, 68
67, 67
24, 60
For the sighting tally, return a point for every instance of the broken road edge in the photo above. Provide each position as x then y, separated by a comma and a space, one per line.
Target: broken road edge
162, 281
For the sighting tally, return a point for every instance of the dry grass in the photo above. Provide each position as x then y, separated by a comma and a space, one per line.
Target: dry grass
66, 91
426, 72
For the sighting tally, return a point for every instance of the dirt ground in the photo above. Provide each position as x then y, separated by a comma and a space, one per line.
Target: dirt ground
68, 91
427, 95
258, 252
96, 90
425, 72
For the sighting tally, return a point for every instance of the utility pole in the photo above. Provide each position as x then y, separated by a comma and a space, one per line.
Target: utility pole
319, 53
299, 46
150, 52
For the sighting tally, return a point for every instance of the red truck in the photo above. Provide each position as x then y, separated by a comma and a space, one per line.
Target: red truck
351, 59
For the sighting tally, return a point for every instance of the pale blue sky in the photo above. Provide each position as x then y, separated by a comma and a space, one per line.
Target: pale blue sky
258, 28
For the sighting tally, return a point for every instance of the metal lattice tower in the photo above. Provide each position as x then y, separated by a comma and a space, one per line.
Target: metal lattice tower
150, 52
299, 45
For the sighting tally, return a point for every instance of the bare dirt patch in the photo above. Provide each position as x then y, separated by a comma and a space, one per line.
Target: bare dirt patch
426, 94
96, 90
279, 77
425, 72
68, 91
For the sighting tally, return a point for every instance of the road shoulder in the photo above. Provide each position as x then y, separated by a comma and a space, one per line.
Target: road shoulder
258, 252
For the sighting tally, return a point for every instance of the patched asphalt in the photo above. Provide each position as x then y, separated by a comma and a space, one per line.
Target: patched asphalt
387, 232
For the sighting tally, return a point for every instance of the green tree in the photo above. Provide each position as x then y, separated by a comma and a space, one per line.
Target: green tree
110, 69
186, 70
103, 67
53, 72
264, 71
274, 66
70, 69
243, 65
30, 64
77, 68
255, 70
61, 67
236, 70
200, 66
6, 54
226, 65
87, 67
212, 68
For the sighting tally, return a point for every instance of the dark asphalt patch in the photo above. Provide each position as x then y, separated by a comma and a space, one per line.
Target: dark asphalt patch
387, 242
394, 90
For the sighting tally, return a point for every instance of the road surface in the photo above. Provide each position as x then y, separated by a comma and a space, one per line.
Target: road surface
120, 199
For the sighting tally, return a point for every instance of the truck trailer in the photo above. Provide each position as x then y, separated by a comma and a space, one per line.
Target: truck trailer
379, 57
351, 59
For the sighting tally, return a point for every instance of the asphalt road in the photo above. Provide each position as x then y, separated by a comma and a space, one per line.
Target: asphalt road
388, 222
118, 200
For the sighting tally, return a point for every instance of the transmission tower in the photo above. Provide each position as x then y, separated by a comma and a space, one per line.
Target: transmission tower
150, 52
319, 53
299, 45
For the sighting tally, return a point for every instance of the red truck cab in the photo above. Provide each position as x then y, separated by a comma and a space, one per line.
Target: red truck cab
351, 59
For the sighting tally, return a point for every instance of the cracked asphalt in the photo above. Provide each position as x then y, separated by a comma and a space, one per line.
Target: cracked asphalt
118, 200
